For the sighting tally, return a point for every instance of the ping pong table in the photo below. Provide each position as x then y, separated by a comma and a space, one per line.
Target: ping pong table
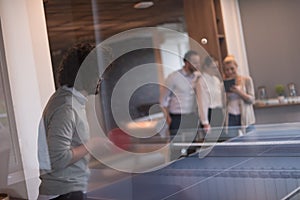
264, 164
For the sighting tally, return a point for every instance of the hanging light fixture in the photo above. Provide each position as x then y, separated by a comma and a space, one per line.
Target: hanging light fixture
143, 4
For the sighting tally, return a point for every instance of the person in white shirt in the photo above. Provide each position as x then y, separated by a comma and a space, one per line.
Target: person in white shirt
178, 97
210, 95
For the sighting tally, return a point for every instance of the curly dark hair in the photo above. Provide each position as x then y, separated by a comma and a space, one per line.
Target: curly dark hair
71, 62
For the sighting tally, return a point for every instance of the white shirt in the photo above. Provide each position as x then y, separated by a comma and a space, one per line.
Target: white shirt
233, 103
209, 95
179, 96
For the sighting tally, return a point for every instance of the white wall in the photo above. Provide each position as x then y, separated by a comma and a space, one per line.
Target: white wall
31, 81
234, 34
272, 41
176, 47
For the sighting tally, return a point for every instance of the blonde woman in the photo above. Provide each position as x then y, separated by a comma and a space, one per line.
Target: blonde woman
240, 99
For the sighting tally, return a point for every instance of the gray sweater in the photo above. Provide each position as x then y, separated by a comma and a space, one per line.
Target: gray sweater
66, 127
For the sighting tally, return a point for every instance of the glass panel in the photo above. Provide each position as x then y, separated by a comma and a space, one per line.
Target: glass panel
7, 121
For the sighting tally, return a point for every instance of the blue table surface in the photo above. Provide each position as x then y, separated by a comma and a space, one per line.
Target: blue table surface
227, 172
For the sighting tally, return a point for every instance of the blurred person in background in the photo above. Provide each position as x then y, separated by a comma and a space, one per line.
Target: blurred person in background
210, 96
240, 98
178, 97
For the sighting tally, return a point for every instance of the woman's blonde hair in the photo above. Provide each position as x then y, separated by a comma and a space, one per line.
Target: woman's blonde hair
229, 59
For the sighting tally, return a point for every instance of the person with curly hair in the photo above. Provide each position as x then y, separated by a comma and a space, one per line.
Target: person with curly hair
66, 127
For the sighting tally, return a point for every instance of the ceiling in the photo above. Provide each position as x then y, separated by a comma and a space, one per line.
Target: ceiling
69, 21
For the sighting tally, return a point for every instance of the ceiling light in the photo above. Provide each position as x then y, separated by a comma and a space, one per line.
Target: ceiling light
143, 4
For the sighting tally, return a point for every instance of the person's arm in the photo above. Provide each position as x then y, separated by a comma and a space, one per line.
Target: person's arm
202, 98
82, 150
167, 115
165, 98
165, 103
59, 138
78, 153
223, 93
60, 131
248, 96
